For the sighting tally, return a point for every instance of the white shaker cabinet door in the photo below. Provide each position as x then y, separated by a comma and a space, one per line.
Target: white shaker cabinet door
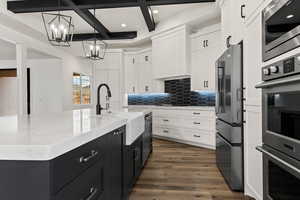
200, 70
130, 74
112, 79
252, 7
253, 62
203, 68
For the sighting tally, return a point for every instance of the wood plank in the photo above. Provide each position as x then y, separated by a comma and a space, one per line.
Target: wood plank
182, 172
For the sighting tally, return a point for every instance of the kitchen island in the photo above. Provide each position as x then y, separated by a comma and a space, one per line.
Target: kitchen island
63, 156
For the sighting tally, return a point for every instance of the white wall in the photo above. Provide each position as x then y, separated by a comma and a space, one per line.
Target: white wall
8, 96
51, 82
46, 80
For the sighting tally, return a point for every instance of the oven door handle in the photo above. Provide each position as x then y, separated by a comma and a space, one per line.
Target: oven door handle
281, 81
261, 149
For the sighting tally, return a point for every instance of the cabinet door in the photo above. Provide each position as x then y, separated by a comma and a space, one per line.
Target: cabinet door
253, 62
145, 73
203, 68
200, 70
169, 55
238, 13
130, 74
116, 168
252, 6
112, 79
226, 22
115, 87
138, 155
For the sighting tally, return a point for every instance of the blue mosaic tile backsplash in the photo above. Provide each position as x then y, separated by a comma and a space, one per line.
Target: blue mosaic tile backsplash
177, 93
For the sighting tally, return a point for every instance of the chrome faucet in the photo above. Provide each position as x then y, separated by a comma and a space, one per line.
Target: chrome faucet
98, 107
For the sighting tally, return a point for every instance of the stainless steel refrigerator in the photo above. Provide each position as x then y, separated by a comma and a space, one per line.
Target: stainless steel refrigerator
229, 111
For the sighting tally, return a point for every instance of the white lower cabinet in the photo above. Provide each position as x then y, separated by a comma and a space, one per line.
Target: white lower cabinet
195, 127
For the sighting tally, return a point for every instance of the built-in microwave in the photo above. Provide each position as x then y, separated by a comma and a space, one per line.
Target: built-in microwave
281, 28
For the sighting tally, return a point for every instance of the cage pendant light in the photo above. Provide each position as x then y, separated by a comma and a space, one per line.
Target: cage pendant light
94, 48
59, 28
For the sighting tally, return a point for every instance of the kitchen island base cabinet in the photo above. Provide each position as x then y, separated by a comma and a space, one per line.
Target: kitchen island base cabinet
132, 165
116, 164
92, 171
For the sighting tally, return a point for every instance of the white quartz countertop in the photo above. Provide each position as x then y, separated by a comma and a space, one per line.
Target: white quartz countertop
45, 137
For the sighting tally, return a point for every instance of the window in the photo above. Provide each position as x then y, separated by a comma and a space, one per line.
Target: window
81, 89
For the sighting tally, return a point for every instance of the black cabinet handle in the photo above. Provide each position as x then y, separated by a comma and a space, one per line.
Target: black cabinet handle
206, 43
136, 154
197, 123
83, 159
165, 120
197, 136
165, 131
203, 43
133, 89
242, 11
228, 41
196, 113
92, 194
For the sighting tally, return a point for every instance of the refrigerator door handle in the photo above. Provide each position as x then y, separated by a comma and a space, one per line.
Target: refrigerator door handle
239, 94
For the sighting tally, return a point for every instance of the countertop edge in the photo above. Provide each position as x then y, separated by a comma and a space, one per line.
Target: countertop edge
50, 152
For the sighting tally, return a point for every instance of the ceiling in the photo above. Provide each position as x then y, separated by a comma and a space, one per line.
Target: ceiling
8, 52
113, 18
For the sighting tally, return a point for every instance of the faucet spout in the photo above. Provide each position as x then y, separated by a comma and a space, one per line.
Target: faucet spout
98, 106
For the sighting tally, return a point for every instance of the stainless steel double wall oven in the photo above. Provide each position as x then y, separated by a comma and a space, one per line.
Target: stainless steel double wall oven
281, 129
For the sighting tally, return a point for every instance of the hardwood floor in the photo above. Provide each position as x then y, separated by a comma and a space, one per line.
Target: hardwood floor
181, 172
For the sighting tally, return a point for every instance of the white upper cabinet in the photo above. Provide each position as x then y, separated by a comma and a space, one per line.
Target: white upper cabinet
233, 21
131, 73
170, 53
139, 73
145, 72
252, 6
203, 59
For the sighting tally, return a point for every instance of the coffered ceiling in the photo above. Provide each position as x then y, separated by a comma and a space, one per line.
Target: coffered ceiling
114, 18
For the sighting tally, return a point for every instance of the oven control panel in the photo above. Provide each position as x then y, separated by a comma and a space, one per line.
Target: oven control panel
287, 67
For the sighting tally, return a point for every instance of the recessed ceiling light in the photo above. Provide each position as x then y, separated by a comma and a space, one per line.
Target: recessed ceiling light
155, 11
289, 16
123, 25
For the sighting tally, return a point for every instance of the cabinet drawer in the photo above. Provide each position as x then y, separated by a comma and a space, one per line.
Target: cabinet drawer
190, 135
70, 165
88, 186
201, 123
201, 137
183, 113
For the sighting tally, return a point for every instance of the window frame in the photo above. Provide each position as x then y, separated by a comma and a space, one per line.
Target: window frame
81, 93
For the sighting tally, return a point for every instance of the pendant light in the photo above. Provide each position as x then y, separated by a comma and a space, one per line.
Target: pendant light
94, 48
59, 28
